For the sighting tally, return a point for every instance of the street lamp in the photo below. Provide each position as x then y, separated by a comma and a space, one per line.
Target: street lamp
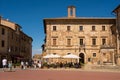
9, 50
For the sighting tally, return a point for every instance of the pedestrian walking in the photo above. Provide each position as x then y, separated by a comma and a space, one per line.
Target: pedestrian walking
4, 63
10, 65
35, 64
22, 65
39, 64
26, 64
30, 62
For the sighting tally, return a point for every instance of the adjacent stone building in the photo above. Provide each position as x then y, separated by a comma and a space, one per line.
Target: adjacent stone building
94, 39
14, 43
117, 33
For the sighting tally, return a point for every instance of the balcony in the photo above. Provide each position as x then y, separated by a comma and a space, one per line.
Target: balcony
107, 48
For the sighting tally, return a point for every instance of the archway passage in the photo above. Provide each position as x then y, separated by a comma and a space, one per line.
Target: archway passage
81, 60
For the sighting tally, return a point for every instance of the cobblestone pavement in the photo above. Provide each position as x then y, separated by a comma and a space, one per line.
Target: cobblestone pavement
59, 74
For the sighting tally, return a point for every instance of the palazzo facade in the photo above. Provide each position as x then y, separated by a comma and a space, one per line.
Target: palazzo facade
93, 39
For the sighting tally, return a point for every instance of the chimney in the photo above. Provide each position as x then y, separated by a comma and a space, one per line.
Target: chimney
71, 12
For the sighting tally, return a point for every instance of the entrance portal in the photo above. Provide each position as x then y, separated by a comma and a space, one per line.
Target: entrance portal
81, 60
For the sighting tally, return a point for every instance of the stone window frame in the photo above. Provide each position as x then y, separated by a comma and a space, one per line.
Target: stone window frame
81, 41
94, 41
103, 28
2, 43
3, 31
104, 40
94, 54
54, 41
93, 28
68, 28
54, 28
68, 42
80, 28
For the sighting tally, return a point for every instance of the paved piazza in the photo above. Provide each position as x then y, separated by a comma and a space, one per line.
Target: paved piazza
63, 74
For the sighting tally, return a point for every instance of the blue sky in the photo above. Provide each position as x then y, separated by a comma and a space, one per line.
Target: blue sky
30, 13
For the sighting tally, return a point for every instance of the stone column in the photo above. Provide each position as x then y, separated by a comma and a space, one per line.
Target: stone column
113, 59
101, 60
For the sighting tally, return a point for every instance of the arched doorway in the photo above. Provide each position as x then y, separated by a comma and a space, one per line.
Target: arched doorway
81, 60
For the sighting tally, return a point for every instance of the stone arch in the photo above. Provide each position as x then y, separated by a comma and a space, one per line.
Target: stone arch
82, 58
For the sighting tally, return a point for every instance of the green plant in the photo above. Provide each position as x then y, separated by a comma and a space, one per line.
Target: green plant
16, 64
45, 64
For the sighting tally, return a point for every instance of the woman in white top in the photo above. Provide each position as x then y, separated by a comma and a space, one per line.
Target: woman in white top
4, 63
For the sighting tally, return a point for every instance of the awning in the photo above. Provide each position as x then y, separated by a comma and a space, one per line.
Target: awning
18, 56
52, 56
71, 56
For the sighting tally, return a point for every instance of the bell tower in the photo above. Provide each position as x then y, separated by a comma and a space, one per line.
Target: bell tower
71, 12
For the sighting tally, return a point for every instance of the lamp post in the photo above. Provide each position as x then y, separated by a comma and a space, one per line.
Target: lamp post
9, 50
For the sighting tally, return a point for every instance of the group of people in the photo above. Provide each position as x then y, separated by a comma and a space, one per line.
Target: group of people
37, 64
6, 64
30, 64
24, 65
62, 65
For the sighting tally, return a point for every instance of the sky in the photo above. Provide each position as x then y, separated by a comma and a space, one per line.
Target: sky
29, 14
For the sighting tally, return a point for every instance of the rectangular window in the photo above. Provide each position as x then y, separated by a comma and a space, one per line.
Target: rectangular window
93, 41
103, 41
68, 42
80, 28
12, 35
93, 28
3, 43
103, 28
54, 28
54, 42
16, 49
89, 59
81, 41
94, 54
3, 31
68, 28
